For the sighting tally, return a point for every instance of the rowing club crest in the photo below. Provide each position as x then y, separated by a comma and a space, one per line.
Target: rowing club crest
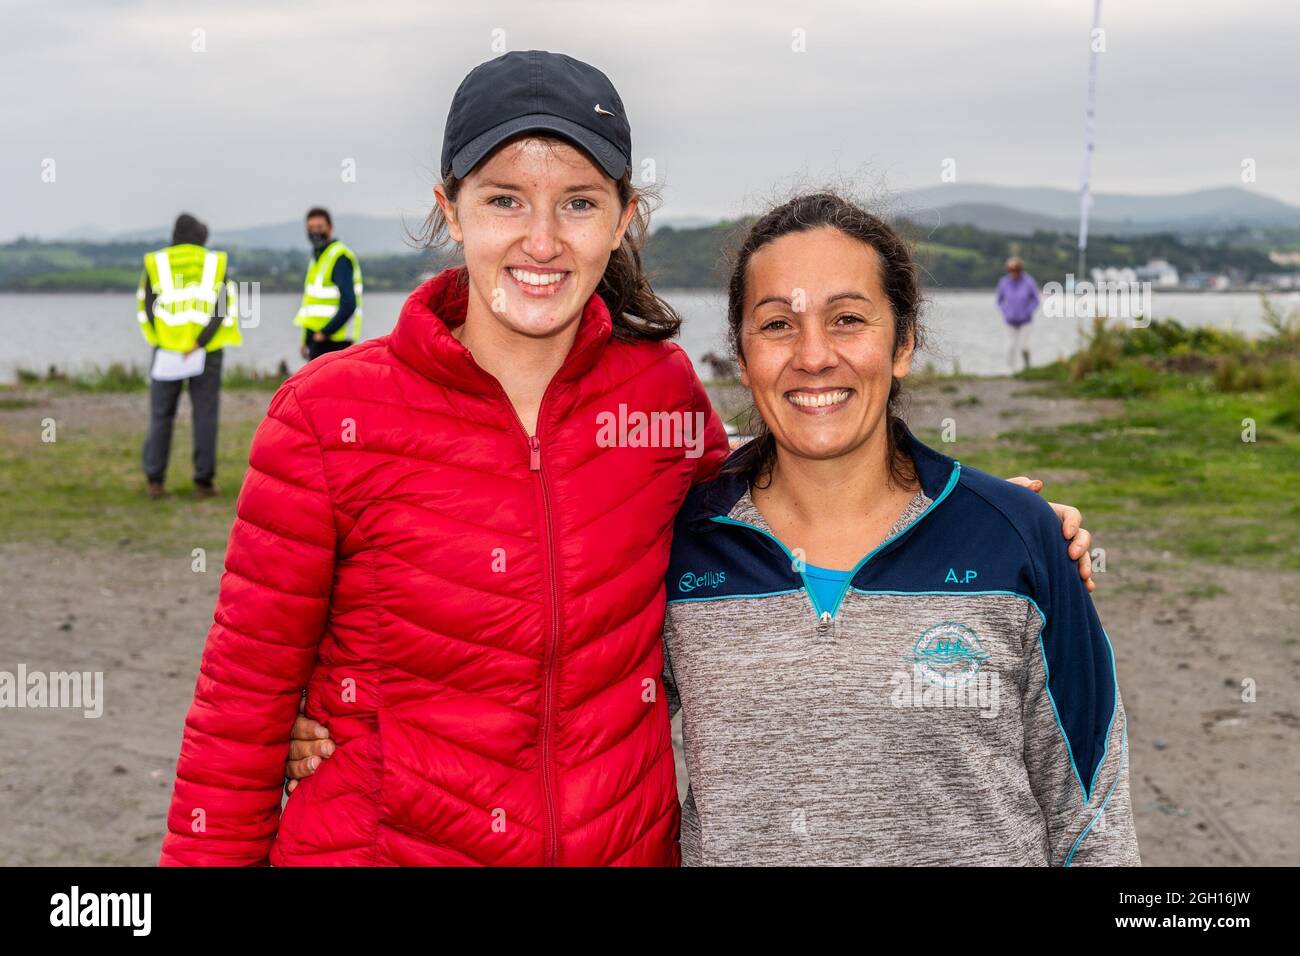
949, 654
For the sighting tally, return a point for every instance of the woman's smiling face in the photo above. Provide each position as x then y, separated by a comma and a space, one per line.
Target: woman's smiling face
538, 221
818, 342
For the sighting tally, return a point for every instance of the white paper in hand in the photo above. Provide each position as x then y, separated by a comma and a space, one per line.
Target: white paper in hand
171, 366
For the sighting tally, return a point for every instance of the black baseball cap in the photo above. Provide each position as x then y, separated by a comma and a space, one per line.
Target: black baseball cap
527, 91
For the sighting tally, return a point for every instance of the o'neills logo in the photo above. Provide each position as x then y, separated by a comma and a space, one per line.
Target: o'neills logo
709, 579
651, 430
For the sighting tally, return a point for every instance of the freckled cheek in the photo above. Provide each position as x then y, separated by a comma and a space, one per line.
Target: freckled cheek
488, 241
589, 244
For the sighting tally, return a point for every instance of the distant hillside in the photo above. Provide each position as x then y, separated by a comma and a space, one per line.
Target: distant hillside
367, 235
953, 255
962, 256
375, 235
1024, 209
693, 258
994, 218
29, 266
1225, 214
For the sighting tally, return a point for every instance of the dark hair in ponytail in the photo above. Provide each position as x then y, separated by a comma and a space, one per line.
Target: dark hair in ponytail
638, 314
900, 278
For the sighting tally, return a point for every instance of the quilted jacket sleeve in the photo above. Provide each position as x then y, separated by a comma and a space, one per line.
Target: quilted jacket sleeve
270, 615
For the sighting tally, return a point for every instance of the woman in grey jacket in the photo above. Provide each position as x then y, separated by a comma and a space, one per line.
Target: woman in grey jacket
882, 656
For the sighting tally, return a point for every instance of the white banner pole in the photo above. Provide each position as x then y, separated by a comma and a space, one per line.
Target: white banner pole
1096, 44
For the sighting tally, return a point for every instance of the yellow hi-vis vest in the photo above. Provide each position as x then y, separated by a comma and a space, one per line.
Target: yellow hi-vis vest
187, 282
320, 296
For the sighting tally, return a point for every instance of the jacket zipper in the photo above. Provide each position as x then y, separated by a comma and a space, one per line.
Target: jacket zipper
548, 664
548, 667
825, 617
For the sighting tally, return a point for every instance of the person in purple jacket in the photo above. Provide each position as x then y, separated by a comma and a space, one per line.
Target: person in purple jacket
1017, 298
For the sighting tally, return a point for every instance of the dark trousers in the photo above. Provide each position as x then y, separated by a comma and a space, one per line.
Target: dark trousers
317, 349
205, 395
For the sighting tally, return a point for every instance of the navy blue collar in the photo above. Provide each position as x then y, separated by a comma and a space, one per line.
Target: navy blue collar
718, 496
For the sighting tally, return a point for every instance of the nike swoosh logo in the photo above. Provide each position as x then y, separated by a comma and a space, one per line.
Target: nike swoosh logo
603, 112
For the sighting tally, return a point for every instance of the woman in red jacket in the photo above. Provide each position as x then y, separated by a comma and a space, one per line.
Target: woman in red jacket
455, 536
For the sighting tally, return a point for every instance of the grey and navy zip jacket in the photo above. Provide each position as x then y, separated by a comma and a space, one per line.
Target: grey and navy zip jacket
958, 705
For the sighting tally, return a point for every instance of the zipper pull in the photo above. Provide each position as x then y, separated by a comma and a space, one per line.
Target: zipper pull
534, 454
825, 631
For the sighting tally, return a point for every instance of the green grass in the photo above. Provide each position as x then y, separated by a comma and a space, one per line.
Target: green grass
118, 377
953, 252
1174, 466
1175, 470
946, 381
87, 488
89, 279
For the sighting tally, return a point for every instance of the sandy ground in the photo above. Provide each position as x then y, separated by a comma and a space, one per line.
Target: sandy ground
1215, 780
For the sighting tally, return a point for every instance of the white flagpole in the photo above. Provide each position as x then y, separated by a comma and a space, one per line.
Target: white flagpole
1085, 174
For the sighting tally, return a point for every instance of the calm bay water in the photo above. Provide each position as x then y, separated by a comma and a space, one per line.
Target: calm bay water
76, 332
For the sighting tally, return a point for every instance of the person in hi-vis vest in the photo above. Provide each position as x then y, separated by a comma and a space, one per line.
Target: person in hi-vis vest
330, 313
186, 304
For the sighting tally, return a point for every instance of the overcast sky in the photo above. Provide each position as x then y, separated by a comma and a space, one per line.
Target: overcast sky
255, 129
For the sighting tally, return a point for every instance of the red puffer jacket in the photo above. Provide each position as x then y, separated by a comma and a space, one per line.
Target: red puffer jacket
476, 616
